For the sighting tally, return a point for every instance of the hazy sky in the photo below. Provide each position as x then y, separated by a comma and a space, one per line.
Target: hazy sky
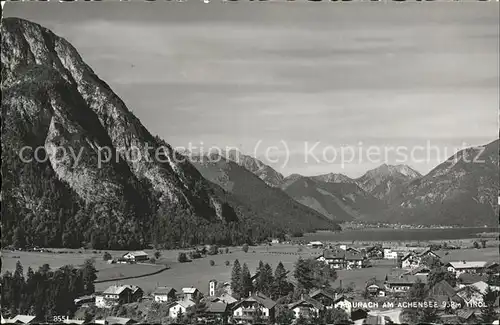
242, 74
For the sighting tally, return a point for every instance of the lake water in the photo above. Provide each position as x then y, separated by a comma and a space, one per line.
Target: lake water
384, 234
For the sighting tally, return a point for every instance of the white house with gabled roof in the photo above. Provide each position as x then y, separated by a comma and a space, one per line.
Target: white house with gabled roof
136, 256
460, 267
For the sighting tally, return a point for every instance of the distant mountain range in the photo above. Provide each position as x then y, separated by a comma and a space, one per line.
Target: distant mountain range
337, 201
463, 190
269, 202
456, 192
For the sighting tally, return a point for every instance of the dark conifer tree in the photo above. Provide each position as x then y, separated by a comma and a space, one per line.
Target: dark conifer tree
245, 282
236, 279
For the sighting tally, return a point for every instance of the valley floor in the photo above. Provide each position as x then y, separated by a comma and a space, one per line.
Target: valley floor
198, 272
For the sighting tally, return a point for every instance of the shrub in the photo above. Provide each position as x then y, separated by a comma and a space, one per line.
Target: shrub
244, 248
212, 262
227, 263
152, 260
182, 258
213, 250
107, 256
157, 254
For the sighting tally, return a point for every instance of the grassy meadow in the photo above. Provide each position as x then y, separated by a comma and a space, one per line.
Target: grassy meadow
198, 272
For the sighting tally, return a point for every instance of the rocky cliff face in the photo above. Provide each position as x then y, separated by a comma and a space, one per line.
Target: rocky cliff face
463, 190
53, 100
386, 181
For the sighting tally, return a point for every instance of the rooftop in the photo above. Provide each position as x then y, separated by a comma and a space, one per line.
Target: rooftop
117, 320
334, 254
468, 264
307, 302
186, 303
137, 253
442, 288
321, 292
405, 279
189, 290
467, 278
261, 299
116, 290
163, 290
353, 256
216, 307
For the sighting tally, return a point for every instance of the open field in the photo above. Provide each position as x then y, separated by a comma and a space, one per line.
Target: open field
198, 272
484, 254
120, 271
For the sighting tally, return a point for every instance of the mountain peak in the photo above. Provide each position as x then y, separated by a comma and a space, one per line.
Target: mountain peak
51, 99
391, 170
333, 178
265, 172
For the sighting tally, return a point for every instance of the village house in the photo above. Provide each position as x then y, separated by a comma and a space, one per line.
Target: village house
257, 305
117, 295
428, 253
401, 283
483, 286
354, 260
389, 254
228, 299
344, 303
179, 307
216, 311
325, 298
467, 279
192, 293
471, 295
334, 258
375, 288
460, 267
316, 244
135, 256
421, 271
410, 261
445, 296
307, 308
375, 252
165, 294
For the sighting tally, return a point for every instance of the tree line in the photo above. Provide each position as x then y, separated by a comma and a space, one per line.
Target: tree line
46, 293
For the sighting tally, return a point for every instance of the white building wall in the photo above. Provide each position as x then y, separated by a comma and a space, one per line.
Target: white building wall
161, 298
346, 305
174, 311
